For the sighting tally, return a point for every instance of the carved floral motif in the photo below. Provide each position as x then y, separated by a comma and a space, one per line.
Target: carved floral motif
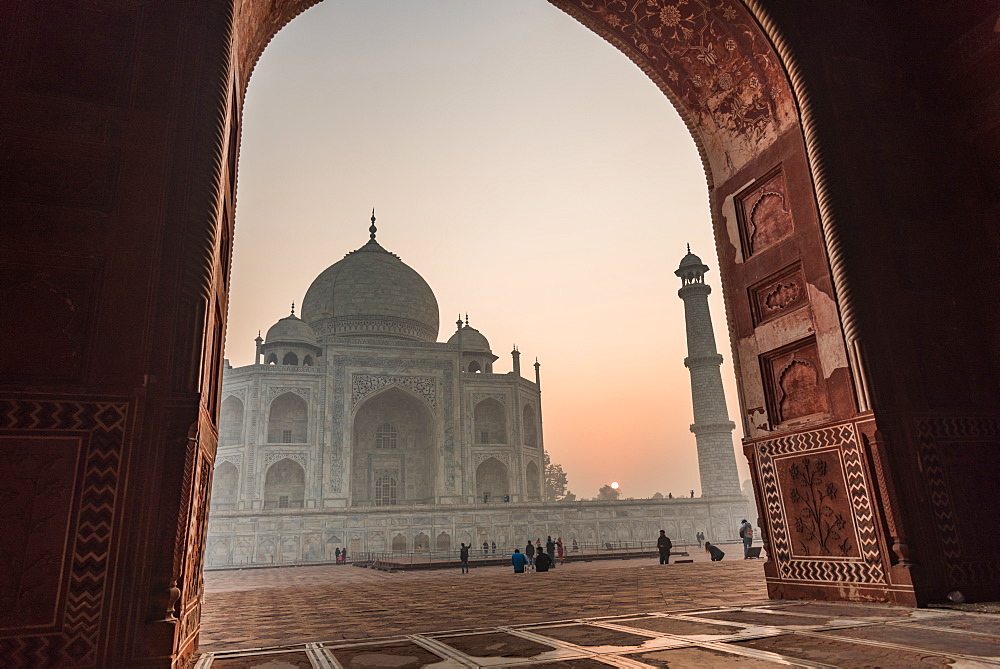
363, 385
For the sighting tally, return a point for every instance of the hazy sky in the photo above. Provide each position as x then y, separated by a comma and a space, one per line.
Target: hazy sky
530, 172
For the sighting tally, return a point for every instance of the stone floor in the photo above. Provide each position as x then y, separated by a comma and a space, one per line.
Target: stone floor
626, 613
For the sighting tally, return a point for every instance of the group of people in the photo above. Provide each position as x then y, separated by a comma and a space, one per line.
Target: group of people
539, 559
340, 555
534, 557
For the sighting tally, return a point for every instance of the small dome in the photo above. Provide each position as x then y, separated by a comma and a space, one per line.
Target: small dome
372, 292
470, 339
690, 259
291, 330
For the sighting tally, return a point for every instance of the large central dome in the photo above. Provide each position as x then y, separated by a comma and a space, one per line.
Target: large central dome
371, 292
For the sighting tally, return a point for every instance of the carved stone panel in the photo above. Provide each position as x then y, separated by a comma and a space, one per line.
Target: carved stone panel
794, 384
778, 295
764, 214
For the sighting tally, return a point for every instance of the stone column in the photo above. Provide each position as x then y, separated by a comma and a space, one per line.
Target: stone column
712, 428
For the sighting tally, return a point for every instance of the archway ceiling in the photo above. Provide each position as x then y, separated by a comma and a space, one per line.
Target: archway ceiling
710, 57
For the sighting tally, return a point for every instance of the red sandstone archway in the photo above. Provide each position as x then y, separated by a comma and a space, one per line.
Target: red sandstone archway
120, 140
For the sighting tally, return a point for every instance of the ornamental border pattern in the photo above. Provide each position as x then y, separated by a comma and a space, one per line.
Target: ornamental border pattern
239, 393
364, 385
931, 431
235, 458
388, 366
866, 569
91, 558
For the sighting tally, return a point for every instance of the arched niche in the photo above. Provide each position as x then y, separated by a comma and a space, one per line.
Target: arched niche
287, 420
474, 367
443, 542
393, 440
492, 480
399, 544
421, 542
532, 481
272, 359
530, 425
290, 359
307, 361
285, 485
225, 486
231, 421
490, 422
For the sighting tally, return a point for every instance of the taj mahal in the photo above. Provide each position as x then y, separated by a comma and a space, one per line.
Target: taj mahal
357, 429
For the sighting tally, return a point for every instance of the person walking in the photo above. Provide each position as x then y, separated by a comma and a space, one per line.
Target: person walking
576, 546
529, 552
746, 534
463, 556
336, 554
715, 552
550, 548
494, 546
518, 560
560, 551
542, 561
486, 548
663, 545
700, 537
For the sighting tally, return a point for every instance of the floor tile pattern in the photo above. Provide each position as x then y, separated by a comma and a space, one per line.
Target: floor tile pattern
769, 635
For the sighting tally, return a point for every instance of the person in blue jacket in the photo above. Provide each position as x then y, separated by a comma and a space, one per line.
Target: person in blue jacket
518, 560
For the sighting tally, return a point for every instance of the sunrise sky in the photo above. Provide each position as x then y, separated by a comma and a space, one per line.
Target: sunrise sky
532, 174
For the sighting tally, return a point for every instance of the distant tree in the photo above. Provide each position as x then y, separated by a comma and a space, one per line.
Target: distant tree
658, 495
570, 497
608, 494
555, 482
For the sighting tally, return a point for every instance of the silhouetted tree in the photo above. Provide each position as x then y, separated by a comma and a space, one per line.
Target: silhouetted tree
658, 495
555, 482
608, 494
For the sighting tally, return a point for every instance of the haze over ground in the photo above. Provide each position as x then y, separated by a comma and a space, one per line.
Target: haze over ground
532, 174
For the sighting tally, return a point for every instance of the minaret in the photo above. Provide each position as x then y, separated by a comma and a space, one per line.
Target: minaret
260, 342
712, 428
516, 356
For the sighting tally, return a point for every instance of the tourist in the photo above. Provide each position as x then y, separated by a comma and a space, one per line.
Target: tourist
538, 545
518, 560
700, 537
559, 551
336, 555
576, 547
494, 548
663, 544
463, 555
343, 556
550, 548
486, 548
746, 534
529, 552
715, 552
542, 561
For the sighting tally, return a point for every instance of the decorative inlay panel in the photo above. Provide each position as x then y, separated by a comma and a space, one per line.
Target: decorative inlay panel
499, 397
820, 515
304, 393
764, 215
274, 456
235, 458
239, 393
778, 295
363, 385
97, 430
503, 456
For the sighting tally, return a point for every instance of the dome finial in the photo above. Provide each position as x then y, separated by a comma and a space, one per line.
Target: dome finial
293, 308
373, 229
689, 248
466, 319
459, 322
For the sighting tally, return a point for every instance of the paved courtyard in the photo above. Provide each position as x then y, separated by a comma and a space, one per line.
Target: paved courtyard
632, 613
